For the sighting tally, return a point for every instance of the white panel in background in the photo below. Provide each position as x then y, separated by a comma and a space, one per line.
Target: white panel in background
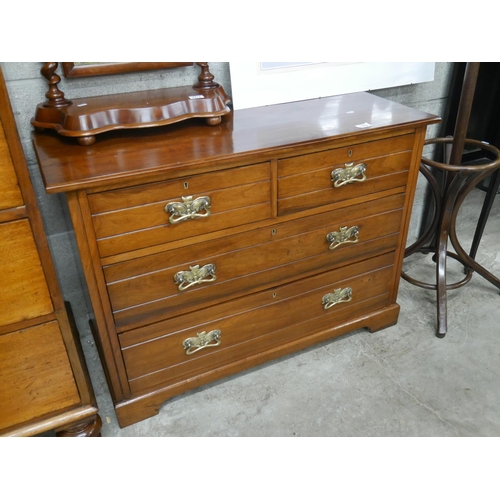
261, 84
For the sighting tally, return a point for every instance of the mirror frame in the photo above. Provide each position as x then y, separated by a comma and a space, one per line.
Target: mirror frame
83, 118
73, 70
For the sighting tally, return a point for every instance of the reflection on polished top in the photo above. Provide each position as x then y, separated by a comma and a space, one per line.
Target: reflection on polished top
67, 166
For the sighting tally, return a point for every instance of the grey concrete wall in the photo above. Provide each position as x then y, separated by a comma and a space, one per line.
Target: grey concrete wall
27, 88
432, 98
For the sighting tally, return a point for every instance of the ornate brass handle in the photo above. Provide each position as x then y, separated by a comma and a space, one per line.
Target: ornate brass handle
342, 236
195, 275
348, 174
339, 295
202, 340
188, 209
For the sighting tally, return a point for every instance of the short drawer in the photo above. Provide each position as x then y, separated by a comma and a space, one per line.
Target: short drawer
127, 219
182, 347
335, 175
182, 280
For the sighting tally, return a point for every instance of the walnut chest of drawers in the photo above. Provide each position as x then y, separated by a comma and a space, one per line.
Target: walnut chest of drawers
208, 250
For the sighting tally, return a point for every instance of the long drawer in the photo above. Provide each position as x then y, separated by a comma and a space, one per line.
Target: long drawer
178, 281
335, 175
136, 217
192, 344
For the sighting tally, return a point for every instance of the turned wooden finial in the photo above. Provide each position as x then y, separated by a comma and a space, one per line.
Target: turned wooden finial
205, 79
55, 97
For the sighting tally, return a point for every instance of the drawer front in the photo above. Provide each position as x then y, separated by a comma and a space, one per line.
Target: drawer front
36, 377
357, 153
141, 216
24, 289
169, 283
336, 175
183, 347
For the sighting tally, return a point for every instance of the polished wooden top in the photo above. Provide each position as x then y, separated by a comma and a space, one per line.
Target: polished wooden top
118, 156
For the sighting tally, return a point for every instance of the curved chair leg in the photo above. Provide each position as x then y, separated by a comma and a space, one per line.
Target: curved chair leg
442, 321
429, 233
485, 212
446, 221
468, 259
458, 182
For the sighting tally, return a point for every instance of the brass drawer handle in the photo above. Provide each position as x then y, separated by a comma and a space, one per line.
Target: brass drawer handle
342, 236
188, 209
348, 174
339, 295
195, 275
202, 340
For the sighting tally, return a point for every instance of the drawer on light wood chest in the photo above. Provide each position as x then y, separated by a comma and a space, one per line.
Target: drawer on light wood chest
174, 282
193, 344
36, 377
25, 293
335, 175
136, 217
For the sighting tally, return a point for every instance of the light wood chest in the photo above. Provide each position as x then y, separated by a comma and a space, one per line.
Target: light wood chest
44, 383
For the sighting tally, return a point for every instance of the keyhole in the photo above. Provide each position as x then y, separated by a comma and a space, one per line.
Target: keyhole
273, 232
186, 185
349, 153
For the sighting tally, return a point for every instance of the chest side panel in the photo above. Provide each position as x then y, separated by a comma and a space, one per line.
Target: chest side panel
9, 188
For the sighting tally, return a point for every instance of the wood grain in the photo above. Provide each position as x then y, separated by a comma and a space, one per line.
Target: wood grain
25, 293
44, 383
244, 135
9, 187
271, 315
243, 271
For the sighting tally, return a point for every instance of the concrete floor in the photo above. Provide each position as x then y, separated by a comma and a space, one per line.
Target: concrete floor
402, 381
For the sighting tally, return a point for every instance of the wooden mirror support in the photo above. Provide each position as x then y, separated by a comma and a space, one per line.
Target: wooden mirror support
84, 118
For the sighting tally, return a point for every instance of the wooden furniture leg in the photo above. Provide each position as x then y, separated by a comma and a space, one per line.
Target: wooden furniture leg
88, 428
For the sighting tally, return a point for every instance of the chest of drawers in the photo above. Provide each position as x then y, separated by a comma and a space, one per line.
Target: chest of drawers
209, 250
44, 383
